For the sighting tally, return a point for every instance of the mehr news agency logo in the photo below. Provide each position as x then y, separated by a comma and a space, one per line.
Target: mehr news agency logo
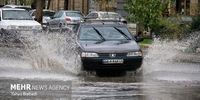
32, 90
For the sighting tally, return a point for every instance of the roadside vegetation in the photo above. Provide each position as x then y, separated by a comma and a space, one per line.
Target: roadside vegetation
150, 15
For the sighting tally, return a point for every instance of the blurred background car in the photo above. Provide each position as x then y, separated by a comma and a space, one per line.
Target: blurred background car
181, 20
28, 8
47, 15
17, 19
65, 18
102, 15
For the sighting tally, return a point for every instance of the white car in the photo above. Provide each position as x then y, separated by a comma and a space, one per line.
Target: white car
17, 19
103, 15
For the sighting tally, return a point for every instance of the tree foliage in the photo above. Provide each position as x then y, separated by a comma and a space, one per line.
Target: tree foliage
145, 12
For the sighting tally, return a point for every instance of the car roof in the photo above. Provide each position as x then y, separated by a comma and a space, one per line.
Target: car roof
102, 23
14, 6
11, 9
43, 10
70, 10
103, 12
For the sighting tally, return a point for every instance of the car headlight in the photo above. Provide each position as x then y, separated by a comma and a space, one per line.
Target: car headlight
137, 53
89, 54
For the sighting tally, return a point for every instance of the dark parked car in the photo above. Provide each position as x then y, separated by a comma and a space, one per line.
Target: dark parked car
108, 45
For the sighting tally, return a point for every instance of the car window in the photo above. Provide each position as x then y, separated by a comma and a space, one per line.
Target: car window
48, 13
33, 13
90, 15
56, 15
88, 33
15, 15
107, 32
74, 14
110, 15
125, 31
60, 14
110, 33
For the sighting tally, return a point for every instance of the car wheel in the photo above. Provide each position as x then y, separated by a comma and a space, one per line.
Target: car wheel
60, 28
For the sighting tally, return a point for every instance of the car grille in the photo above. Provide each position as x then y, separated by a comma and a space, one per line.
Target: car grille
112, 54
25, 27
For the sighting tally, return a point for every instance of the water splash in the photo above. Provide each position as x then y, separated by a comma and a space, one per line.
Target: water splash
53, 52
170, 60
44, 52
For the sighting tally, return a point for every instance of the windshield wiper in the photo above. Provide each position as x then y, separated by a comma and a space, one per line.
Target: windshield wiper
103, 39
128, 38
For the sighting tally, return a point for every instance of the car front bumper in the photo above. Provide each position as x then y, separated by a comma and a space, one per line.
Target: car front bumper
129, 63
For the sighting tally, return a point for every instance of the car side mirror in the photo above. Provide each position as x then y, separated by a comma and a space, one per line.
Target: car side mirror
52, 17
139, 39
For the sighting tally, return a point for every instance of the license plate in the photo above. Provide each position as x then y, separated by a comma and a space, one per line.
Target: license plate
113, 61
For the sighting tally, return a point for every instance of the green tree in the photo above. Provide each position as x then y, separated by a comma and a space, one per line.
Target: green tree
145, 12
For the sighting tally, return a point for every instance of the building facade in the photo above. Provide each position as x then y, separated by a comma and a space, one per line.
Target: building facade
185, 7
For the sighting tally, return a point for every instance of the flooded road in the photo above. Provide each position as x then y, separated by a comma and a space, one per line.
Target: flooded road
167, 73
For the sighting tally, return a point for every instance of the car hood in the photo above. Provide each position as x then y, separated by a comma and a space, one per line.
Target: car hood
109, 46
21, 23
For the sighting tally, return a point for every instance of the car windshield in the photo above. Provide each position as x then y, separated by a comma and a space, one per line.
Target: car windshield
74, 14
15, 15
49, 13
104, 33
26, 8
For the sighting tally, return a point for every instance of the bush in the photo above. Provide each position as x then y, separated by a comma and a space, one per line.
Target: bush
195, 26
170, 30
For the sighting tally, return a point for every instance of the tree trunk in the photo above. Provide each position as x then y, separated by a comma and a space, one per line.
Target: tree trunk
39, 10
49, 2
66, 2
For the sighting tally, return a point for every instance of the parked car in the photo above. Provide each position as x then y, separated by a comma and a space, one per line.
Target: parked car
108, 46
47, 15
18, 19
102, 15
65, 18
28, 8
